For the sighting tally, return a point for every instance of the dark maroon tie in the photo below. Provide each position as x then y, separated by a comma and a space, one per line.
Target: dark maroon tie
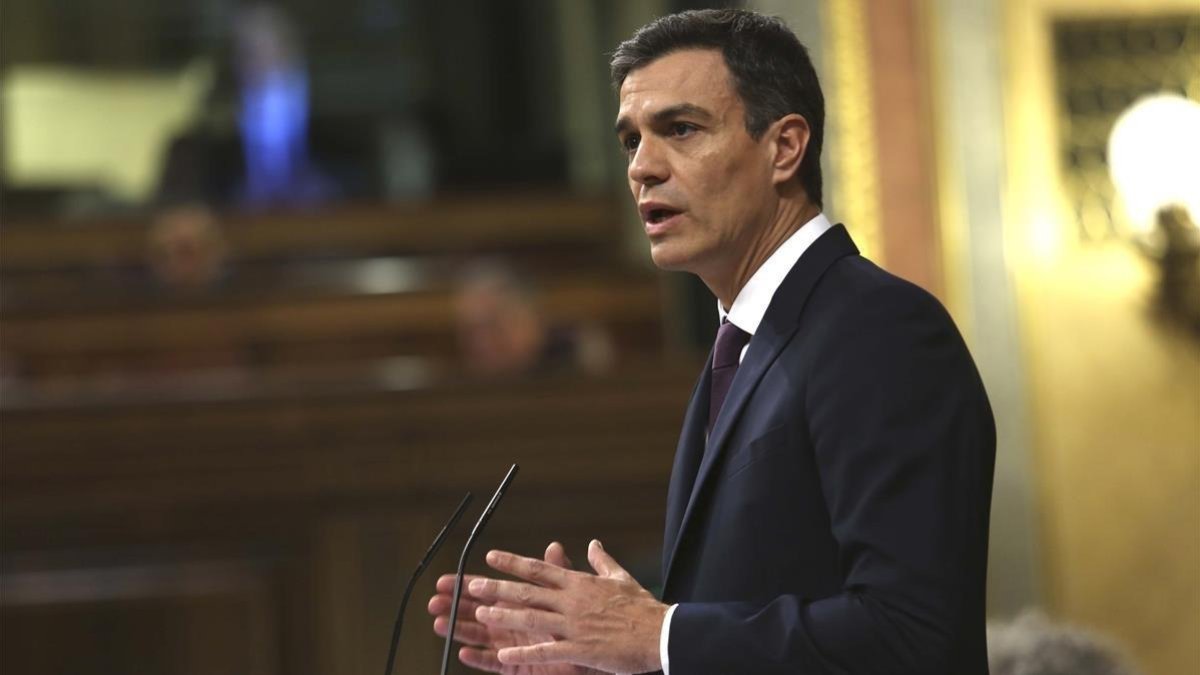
726, 356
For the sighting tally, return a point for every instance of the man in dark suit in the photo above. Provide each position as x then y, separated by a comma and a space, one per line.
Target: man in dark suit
828, 507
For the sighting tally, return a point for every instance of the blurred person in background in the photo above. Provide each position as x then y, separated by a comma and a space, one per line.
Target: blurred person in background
1033, 645
186, 249
502, 330
188, 255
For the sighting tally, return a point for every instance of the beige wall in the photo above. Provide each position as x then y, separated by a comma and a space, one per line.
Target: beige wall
979, 286
1114, 396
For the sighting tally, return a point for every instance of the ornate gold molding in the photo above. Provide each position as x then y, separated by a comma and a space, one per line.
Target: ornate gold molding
855, 162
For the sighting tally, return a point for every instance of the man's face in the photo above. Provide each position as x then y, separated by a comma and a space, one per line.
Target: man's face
500, 332
702, 184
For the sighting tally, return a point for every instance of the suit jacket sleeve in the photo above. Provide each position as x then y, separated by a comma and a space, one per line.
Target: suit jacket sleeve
904, 443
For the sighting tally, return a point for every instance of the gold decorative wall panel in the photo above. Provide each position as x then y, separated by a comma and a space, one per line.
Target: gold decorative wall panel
1114, 395
1102, 66
850, 121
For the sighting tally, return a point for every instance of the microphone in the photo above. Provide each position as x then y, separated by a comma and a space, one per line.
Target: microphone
433, 549
462, 562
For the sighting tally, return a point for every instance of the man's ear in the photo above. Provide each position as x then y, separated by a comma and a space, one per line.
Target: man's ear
790, 135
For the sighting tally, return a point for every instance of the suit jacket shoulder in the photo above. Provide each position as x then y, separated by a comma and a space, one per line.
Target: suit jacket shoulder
840, 522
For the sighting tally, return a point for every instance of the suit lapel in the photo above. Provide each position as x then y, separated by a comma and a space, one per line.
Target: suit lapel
778, 325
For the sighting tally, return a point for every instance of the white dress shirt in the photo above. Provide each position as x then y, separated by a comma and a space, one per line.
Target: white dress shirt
746, 313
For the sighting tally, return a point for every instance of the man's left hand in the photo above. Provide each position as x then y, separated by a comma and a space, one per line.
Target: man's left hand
605, 620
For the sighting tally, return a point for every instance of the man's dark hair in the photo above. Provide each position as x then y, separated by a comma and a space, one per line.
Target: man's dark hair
771, 70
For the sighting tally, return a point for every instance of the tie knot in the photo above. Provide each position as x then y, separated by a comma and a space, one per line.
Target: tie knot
730, 341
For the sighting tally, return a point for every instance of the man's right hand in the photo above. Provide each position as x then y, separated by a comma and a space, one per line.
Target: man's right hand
482, 642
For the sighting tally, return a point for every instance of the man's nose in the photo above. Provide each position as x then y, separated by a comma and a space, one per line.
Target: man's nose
648, 165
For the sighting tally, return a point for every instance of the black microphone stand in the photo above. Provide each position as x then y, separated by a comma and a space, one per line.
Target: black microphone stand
462, 562
433, 549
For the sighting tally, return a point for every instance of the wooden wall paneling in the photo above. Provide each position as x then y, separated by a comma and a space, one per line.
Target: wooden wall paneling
300, 517
181, 616
903, 118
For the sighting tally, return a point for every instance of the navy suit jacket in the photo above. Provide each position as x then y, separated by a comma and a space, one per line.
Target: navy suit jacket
837, 519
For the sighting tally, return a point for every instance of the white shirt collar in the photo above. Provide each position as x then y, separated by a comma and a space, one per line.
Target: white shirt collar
751, 302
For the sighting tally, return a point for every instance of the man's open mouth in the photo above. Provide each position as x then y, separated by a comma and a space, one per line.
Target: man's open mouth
656, 216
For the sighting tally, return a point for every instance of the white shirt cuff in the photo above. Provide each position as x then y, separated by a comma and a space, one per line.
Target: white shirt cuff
664, 639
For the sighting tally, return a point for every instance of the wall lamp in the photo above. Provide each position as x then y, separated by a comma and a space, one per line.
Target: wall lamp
1154, 159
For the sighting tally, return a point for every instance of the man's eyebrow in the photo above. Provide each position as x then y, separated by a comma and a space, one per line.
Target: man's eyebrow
660, 116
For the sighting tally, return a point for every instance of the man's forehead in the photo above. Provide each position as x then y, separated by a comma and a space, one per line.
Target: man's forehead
695, 76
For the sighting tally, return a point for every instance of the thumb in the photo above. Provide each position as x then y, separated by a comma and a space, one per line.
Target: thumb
603, 563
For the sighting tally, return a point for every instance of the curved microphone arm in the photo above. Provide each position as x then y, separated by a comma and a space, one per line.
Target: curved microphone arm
462, 563
433, 549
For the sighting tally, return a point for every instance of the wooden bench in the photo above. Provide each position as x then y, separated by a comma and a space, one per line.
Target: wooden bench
446, 225
345, 285
299, 327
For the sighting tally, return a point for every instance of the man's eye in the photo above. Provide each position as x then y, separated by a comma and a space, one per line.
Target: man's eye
631, 142
681, 128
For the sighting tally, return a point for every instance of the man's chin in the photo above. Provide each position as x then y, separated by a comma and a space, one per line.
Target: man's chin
669, 258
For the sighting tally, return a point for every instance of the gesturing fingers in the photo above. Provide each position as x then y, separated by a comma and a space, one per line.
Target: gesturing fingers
522, 620
530, 569
556, 555
481, 659
545, 652
604, 564
465, 632
515, 592
445, 583
439, 605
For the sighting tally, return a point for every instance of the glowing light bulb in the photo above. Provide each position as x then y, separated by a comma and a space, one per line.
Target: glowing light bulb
1154, 158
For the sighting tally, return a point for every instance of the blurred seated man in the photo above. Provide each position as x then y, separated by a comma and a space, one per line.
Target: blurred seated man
1032, 645
188, 257
185, 249
503, 332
